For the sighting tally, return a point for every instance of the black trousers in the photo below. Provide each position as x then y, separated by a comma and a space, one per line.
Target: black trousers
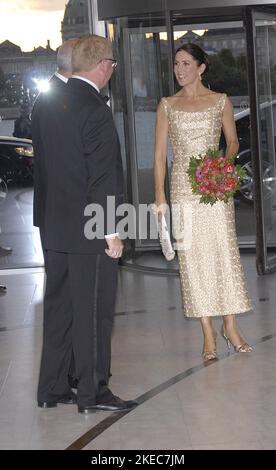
79, 307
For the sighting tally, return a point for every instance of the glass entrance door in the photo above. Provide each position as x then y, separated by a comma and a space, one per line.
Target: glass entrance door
146, 70
264, 55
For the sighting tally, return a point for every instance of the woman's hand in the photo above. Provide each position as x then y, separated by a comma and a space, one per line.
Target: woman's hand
160, 207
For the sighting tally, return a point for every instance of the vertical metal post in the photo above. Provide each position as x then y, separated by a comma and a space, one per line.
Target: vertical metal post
169, 27
255, 142
95, 26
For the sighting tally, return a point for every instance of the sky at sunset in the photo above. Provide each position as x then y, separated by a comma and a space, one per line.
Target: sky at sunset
29, 23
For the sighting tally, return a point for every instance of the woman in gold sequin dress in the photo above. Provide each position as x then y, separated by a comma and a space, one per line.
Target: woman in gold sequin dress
211, 275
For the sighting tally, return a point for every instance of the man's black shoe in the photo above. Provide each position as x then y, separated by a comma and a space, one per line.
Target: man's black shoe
73, 382
68, 399
111, 404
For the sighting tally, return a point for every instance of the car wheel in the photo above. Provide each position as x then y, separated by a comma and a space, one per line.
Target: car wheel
247, 186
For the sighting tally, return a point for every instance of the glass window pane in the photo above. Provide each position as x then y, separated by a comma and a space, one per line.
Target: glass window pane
142, 80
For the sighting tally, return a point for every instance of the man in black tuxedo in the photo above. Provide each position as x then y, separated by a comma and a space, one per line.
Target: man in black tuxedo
79, 163
64, 65
58, 83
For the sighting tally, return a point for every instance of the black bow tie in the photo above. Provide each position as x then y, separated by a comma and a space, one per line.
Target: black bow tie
106, 98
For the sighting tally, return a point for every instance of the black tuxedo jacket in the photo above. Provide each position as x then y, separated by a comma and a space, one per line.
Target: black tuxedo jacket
77, 162
56, 86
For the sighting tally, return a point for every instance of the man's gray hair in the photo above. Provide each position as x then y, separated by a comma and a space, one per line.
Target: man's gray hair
64, 55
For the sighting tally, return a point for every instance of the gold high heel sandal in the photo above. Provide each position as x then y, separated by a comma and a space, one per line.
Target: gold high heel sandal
240, 348
210, 355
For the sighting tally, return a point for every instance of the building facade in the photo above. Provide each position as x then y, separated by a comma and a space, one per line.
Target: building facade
76, 19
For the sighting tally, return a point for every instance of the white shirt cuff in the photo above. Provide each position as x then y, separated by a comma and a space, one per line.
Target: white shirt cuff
112, 235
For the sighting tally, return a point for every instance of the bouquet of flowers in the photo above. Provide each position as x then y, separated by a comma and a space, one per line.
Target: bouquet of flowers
214, 177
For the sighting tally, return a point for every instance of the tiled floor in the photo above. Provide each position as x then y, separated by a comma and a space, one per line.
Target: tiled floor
228, 404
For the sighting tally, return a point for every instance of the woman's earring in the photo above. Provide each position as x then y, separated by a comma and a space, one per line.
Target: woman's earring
200, 77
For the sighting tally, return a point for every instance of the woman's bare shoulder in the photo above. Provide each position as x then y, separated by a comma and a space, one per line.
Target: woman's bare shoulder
163, 106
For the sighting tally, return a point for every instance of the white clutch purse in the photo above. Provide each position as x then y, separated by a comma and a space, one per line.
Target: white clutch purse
165, 239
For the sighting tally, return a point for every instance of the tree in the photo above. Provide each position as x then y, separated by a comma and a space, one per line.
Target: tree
227, 73
227, 58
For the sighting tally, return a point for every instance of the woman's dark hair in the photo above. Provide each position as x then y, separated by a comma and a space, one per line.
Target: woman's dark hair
196, 52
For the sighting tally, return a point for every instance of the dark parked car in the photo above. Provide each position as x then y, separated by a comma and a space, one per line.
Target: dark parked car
16, 161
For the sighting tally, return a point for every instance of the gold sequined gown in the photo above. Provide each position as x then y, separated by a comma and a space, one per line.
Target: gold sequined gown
211, 275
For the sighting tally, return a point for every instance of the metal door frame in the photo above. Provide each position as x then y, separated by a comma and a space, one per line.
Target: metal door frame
250, 14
